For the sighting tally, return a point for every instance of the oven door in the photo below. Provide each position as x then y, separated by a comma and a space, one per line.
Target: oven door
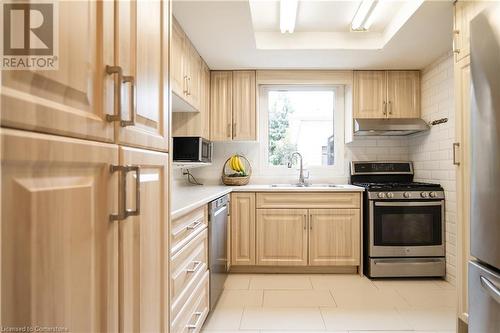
406, 228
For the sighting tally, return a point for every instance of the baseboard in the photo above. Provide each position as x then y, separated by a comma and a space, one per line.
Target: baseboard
295, 270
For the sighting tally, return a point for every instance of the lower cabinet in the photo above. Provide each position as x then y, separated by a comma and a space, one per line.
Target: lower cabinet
296, 229
334, 237
282, 237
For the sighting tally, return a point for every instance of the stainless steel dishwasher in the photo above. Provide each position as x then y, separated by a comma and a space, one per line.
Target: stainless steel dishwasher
217, 246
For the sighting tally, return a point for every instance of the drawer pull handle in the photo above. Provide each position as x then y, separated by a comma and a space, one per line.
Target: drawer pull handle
198, 321
194, 225
196, 264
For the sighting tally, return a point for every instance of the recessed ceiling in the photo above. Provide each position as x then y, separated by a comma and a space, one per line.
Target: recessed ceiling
243, 34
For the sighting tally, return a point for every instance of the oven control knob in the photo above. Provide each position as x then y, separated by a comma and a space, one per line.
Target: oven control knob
381, 195
424, 194
406, 195
390, 195
433, 194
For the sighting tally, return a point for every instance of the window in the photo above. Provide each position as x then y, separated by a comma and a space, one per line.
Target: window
307, 119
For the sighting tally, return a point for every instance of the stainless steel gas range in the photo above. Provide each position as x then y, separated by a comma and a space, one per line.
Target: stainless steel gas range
403, 221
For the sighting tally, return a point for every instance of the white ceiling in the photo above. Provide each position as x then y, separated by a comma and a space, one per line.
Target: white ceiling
226, 37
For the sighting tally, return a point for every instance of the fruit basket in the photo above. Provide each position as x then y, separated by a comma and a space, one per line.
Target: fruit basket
236, 171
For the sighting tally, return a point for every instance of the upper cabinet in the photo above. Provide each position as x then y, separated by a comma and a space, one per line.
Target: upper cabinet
186, 71
233, 115
142, 55
75, 99
386, 94
113, 60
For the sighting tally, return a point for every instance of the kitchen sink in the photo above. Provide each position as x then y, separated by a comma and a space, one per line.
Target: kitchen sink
305, 185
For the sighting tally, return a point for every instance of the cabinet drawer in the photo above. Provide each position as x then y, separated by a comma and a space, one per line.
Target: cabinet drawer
186, 227
308, 200
195, 310
187, 268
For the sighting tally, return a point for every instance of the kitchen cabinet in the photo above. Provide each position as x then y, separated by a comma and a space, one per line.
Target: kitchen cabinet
125, 103
242, 229
186, 69
386, 94
464, 12
142, 54
334, 237
75, 99
244, 111
233, 115
143, 251
281, 237
195, 123
59, 248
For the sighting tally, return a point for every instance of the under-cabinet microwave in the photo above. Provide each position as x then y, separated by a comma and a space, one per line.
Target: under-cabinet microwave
192, 149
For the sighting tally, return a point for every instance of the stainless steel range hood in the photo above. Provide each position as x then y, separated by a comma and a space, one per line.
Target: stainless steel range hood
396, 126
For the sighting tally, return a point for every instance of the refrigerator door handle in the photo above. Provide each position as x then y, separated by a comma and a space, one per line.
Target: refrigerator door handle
491, 289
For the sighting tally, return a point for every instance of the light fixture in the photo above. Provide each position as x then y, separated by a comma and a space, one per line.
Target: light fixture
288, 15
363, 18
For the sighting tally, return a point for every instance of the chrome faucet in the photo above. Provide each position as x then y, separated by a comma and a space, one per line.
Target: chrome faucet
302, 180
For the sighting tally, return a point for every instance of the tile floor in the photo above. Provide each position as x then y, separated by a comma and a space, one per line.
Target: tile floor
272, 303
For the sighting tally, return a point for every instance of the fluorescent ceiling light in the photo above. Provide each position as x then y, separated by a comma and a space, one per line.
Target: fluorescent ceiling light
363, 18
288, 15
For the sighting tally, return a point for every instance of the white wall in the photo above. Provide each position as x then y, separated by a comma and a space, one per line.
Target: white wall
432, 152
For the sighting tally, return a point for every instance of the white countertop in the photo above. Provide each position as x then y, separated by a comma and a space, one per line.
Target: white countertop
186, 198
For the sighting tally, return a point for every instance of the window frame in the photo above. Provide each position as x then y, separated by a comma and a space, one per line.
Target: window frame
338, 121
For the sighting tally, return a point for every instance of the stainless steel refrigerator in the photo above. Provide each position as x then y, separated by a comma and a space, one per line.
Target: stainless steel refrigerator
484, 271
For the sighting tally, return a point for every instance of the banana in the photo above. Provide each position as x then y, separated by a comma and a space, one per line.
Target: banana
241, 167
231, 163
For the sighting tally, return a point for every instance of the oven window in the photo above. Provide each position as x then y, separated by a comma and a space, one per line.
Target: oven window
407, 225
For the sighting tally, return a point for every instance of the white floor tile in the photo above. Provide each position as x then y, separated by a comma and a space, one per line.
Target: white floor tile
224, 319
418, 298
368, 297
360, 318
237, 282
407, 284
435, 319
271, 318
341, 282
240, 298
298, 298
280, 282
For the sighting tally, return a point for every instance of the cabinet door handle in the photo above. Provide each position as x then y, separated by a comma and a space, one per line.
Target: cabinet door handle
112, 70
390, 107
196, 264
194, 225
189, 86
132, 106
385, 109
184, 90
198, 321
228, 130
234, 130
456, 33
304, 223
455, 146
125, 212
310, 222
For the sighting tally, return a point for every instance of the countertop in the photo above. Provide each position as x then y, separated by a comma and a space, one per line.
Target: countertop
187, 198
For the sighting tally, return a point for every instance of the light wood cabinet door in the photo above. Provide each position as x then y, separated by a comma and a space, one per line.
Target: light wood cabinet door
370, 94
281, 237
195, 123
142, 34
143, 249
74, 99
177, 61
244, 111
243, 229
221, 105
59, 249
334, 237
403, 94
193, 71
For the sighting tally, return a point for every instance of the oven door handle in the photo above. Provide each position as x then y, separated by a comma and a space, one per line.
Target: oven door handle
411, 204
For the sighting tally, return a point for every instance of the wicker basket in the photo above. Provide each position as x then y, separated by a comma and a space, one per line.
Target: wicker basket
236, 181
